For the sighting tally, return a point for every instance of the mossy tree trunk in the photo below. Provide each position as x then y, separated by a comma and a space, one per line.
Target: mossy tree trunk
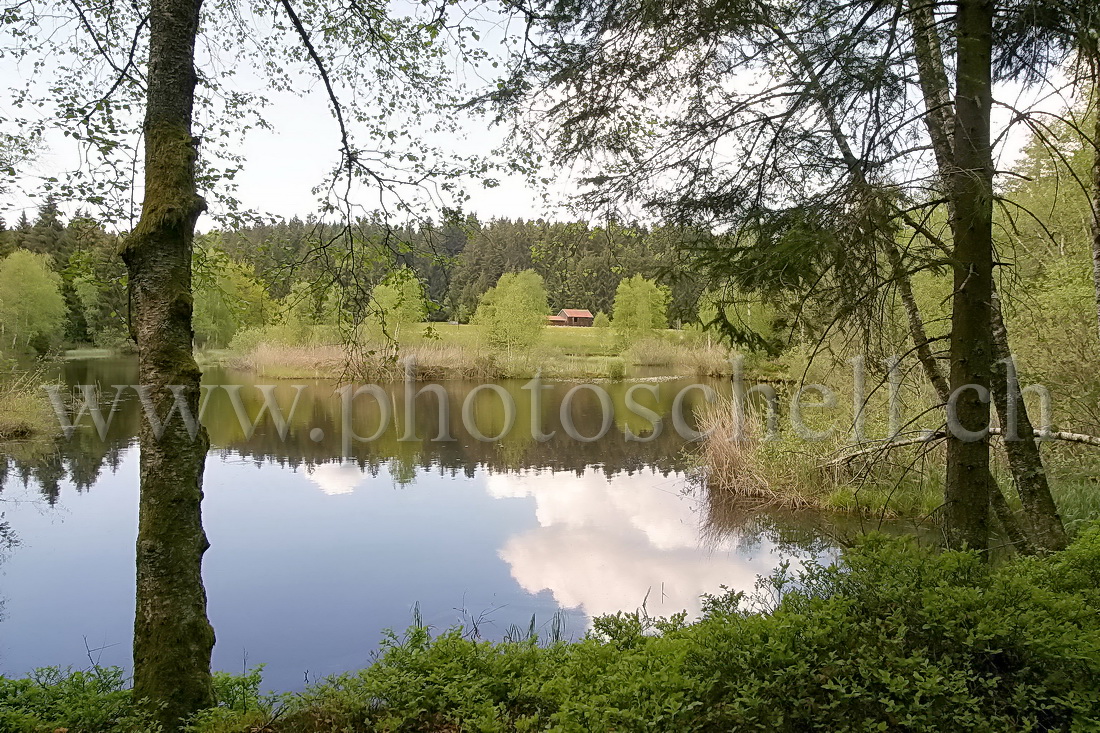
1024, 460
966, 491
172, 637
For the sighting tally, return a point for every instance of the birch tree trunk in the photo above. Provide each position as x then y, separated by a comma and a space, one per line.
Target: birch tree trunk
1096, 179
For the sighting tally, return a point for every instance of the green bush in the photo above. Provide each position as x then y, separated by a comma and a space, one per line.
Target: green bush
79, 702
279, 334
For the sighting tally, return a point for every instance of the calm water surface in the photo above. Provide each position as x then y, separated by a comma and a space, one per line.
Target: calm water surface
314, 553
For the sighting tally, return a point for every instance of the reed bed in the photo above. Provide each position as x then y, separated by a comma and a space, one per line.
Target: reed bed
439, 359
293, 362
736, 459
739, 460
682, 357
24, 410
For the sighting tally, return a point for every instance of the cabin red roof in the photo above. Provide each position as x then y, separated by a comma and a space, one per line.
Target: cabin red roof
575, 313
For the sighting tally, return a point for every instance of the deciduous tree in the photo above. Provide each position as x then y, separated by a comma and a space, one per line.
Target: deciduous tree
641, 306
399, 301
31, 306
512, 314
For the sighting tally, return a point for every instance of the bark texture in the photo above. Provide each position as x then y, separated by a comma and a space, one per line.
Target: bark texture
967, 489
1025, 461
1030, 476
1096, 179
172, 637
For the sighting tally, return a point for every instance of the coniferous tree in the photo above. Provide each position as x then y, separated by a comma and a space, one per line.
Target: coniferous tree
804, 172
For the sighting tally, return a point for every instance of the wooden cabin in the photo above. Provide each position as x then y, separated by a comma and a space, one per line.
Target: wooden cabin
572, 317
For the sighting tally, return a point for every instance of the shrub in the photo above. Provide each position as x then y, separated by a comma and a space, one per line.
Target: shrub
60, 699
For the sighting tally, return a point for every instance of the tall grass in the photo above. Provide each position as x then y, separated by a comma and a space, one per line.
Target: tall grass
737, 458
682, 356
372, 362
24, 410
282, 361
436, 360
456, 352
1074, 482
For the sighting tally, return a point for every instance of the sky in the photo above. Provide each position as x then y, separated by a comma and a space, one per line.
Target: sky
286, 162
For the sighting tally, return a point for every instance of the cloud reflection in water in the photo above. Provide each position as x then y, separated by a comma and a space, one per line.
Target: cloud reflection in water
603, 543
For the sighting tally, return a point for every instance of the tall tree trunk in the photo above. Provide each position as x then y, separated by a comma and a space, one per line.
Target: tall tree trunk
172, 637
1001, 510
1095, 68
940, 121
966, 491
1024, 460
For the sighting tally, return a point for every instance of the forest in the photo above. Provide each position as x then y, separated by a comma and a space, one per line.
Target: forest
262, 275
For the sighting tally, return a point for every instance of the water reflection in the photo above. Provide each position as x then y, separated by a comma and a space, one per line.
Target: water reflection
316, 550
317, 429
603, 545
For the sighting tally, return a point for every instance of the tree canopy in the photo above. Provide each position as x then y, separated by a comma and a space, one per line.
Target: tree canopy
512, 314
641, 306
32, 310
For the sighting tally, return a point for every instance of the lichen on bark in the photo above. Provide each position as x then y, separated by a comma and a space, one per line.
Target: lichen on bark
173, 638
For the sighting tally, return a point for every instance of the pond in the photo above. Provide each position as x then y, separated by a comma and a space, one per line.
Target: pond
321, 540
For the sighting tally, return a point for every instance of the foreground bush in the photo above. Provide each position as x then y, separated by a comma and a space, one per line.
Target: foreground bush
893, 637
75, 702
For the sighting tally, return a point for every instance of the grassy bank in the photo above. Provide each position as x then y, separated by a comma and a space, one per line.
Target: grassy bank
24, 410
894, 637
786, 469
450, 351
778, 465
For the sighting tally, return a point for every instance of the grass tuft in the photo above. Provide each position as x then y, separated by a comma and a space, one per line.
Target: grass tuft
24, 410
